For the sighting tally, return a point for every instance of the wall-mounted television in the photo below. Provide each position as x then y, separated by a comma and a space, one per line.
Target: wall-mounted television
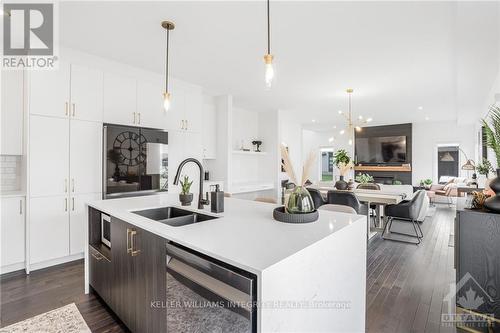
381, 150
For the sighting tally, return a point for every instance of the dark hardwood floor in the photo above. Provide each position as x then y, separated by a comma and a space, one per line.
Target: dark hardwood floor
406, 285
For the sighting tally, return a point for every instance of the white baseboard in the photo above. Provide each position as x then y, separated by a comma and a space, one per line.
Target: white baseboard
12, 268
53, 262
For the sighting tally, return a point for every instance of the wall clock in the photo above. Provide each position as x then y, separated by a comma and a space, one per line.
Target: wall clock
132, 147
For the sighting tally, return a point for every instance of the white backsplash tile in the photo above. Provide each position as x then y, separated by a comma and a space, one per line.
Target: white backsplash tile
10, 173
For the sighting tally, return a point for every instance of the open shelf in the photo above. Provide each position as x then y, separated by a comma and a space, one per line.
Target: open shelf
391, 168
242, 152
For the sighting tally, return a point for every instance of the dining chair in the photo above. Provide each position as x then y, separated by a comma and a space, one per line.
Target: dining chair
370, 186
317, 197
338, 208
347, 199
405, 211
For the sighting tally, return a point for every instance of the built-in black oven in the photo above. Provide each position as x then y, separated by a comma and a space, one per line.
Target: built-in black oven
135, 161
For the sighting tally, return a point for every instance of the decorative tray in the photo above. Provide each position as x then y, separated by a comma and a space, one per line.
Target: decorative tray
279, 214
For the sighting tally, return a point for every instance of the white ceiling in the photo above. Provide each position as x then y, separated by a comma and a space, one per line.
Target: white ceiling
397, 56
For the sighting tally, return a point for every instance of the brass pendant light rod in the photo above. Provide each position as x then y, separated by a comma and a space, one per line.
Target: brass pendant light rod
167, 25
268, 29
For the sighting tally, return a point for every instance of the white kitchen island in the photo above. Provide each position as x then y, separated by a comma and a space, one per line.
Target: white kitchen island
310, 277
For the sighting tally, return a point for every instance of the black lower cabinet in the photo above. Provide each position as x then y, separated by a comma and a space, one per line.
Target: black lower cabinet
132, 282
477, 260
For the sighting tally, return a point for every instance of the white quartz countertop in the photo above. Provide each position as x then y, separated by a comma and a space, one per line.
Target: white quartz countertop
245, 235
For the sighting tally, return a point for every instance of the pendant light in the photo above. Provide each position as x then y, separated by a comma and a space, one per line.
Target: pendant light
167, 25
268, 58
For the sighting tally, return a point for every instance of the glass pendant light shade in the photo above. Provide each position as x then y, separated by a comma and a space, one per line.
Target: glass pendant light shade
167, 101
269, 70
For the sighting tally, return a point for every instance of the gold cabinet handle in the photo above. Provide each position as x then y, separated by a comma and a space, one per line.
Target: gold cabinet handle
133, 252
187, 125
74, 107
65, 204
73, 185
128, 241
182, 124
73, 204
65, 185
66, 108
96, 257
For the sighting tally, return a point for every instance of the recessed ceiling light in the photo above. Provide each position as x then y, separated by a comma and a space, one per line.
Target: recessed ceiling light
340, 112
334, 126
330, 139
420, 108
314, 120
358, 129
360, 117
427, 118
369, 120
342, 132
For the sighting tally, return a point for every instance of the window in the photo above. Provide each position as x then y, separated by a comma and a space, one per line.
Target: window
326, 164
448, 161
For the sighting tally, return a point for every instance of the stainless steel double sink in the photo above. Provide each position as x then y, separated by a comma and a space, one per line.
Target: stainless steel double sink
173, 216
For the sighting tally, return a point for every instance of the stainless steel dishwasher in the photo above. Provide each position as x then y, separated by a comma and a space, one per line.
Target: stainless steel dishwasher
206, 295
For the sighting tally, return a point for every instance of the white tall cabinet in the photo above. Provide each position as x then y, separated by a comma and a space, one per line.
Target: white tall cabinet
65, 159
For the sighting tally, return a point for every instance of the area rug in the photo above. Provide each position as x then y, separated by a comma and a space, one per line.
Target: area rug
66, 319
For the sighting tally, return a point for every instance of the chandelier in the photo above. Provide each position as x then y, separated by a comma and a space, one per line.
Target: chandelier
352, 125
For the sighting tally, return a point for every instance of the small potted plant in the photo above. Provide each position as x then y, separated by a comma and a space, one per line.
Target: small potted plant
364, 178
343, 162
484, 168
426, 183
185, 196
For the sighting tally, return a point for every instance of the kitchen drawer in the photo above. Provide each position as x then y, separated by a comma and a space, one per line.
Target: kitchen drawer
100, 273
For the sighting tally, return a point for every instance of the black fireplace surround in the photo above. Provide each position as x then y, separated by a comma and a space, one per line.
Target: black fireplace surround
383, 176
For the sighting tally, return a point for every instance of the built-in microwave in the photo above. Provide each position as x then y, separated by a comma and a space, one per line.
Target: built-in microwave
106, 230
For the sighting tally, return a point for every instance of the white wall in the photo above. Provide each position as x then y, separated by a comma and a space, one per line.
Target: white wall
291, 136
426, 137
313, 141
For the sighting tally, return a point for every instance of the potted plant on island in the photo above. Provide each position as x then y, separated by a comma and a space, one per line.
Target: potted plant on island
185, 196
343, 162
492, 130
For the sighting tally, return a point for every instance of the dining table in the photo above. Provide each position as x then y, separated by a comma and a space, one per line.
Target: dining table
378, 198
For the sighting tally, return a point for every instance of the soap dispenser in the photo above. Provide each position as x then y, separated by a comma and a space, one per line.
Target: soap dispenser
216, 199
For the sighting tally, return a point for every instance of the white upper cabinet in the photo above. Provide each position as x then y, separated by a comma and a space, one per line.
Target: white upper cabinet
12, 113
85, 157
193, 110
120, 100
150, 104
49, 92
175, 116
86, 93
209, 130
49, 156
12, 231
